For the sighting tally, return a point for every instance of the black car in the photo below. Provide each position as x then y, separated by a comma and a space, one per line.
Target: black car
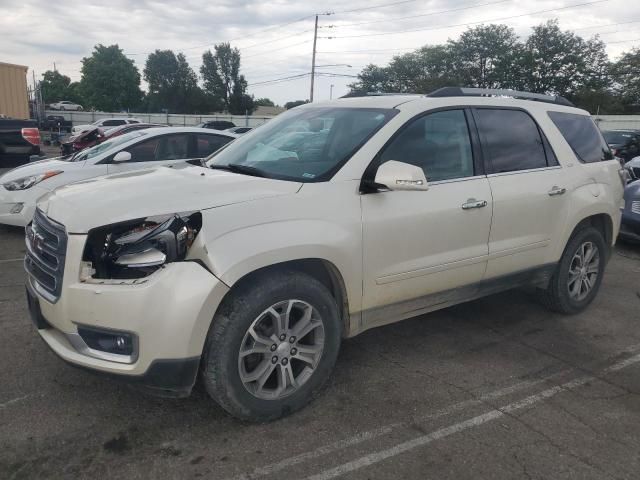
630, 225
217, 124
624, 144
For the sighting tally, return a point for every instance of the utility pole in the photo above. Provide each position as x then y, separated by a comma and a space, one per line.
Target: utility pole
313, 59
331, 92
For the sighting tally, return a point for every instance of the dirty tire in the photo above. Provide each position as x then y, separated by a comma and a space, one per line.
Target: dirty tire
237, 314
556, 296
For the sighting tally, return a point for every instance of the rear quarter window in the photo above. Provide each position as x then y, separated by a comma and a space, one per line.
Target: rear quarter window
583, 136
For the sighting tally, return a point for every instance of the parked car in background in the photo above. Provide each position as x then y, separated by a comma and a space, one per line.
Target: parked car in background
630, 225
56, 122
217, 124
624, 144
167, 146
105, 124
633, 168
94, 136
66, 105
19, 140
239, 130
252, 271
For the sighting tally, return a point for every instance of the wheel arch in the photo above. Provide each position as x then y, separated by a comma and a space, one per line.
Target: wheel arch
321, 269
600, 221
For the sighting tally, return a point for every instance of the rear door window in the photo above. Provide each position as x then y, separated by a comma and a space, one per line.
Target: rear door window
583, 136
207, 144
510, 140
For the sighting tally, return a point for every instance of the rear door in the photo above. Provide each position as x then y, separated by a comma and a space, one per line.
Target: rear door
529, 190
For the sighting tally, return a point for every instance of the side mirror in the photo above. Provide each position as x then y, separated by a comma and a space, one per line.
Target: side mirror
122, 156
401, 176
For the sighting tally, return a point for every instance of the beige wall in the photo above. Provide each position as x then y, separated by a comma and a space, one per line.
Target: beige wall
13, 91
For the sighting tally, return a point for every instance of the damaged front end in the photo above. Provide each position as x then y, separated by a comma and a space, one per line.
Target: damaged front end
135, 249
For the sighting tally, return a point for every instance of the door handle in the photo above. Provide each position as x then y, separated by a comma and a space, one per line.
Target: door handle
555, 190
473, 203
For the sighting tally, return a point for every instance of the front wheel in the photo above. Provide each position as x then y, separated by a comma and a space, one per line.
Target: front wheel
272, 346
578, 276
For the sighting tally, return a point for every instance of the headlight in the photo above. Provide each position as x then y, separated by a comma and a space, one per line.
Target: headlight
29, 181
137, 248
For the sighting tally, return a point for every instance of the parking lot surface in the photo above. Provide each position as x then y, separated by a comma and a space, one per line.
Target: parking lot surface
495, 388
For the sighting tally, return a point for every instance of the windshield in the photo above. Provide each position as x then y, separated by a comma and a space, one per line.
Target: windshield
104, 146
306, 145
615, 138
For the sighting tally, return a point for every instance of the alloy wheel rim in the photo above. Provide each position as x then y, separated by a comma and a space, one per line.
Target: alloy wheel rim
281, 349
583, 271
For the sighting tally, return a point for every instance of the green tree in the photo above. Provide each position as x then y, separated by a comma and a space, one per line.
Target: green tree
625, 74
54, 86
173, 85
110, 81
221, 77
485, 56
562, 63
264, 102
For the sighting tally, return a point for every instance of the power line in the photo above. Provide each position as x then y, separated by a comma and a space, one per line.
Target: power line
626, 41
281, 79
373, 7
606, 25
429, 14
469, 23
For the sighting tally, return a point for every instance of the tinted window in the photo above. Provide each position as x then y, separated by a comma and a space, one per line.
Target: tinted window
583, 136
207, 144
306, 144
173, 147
438, 143
144, 151
134, 121
510, 139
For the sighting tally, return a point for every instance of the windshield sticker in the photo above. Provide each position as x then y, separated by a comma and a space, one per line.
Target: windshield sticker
309, 175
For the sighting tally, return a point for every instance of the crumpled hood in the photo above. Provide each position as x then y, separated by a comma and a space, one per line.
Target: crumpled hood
38, 167
115, 198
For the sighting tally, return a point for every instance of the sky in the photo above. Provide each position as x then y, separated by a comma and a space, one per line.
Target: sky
275, 38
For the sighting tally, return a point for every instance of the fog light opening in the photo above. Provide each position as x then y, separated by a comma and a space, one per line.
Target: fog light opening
17, 208
119, 343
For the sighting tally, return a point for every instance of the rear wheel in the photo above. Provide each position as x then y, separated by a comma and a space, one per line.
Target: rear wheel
272, 346
579, 273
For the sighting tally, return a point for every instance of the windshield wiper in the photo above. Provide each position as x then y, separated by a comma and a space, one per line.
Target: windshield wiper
243, 169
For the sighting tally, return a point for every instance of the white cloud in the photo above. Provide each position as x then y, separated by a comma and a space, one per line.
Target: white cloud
38, 33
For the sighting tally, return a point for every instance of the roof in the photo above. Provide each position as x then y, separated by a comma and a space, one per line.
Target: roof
165, 130
14, 65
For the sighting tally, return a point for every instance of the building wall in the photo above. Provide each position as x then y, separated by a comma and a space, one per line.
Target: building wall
13, 91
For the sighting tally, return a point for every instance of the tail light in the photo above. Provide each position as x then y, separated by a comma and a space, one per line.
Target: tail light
31, 135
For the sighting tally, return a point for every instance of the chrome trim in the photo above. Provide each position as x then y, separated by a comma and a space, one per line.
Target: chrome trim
461, 179
530, 170
555, 190
473, 203
79, 344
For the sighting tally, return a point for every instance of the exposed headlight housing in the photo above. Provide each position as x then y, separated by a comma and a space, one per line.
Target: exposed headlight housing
137, 248
29, 181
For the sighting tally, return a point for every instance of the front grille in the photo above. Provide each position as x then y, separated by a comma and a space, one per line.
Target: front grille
46, 243
635, 206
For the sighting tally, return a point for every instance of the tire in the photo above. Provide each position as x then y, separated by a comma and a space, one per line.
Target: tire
560, 295
228, 375
62, 109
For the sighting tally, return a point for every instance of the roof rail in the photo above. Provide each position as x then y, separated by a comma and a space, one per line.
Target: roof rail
496, 92
379, 94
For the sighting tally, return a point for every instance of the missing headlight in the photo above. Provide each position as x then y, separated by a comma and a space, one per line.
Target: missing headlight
137, 248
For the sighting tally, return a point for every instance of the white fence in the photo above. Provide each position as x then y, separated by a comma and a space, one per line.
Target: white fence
615, 122
174, 120
606, 122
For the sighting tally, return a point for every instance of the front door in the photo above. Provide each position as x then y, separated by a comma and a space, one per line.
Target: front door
419, 243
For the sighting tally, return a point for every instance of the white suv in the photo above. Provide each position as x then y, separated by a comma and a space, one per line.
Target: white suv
328, 220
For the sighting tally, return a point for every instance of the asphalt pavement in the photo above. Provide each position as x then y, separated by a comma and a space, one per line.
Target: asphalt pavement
496, 388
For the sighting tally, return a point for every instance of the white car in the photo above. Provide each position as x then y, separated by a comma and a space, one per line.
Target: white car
22, 186
250, 273
66, 105
104, 124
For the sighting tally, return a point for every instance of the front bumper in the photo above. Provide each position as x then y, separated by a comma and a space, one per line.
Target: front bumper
17, 207
169, 314
630, 226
